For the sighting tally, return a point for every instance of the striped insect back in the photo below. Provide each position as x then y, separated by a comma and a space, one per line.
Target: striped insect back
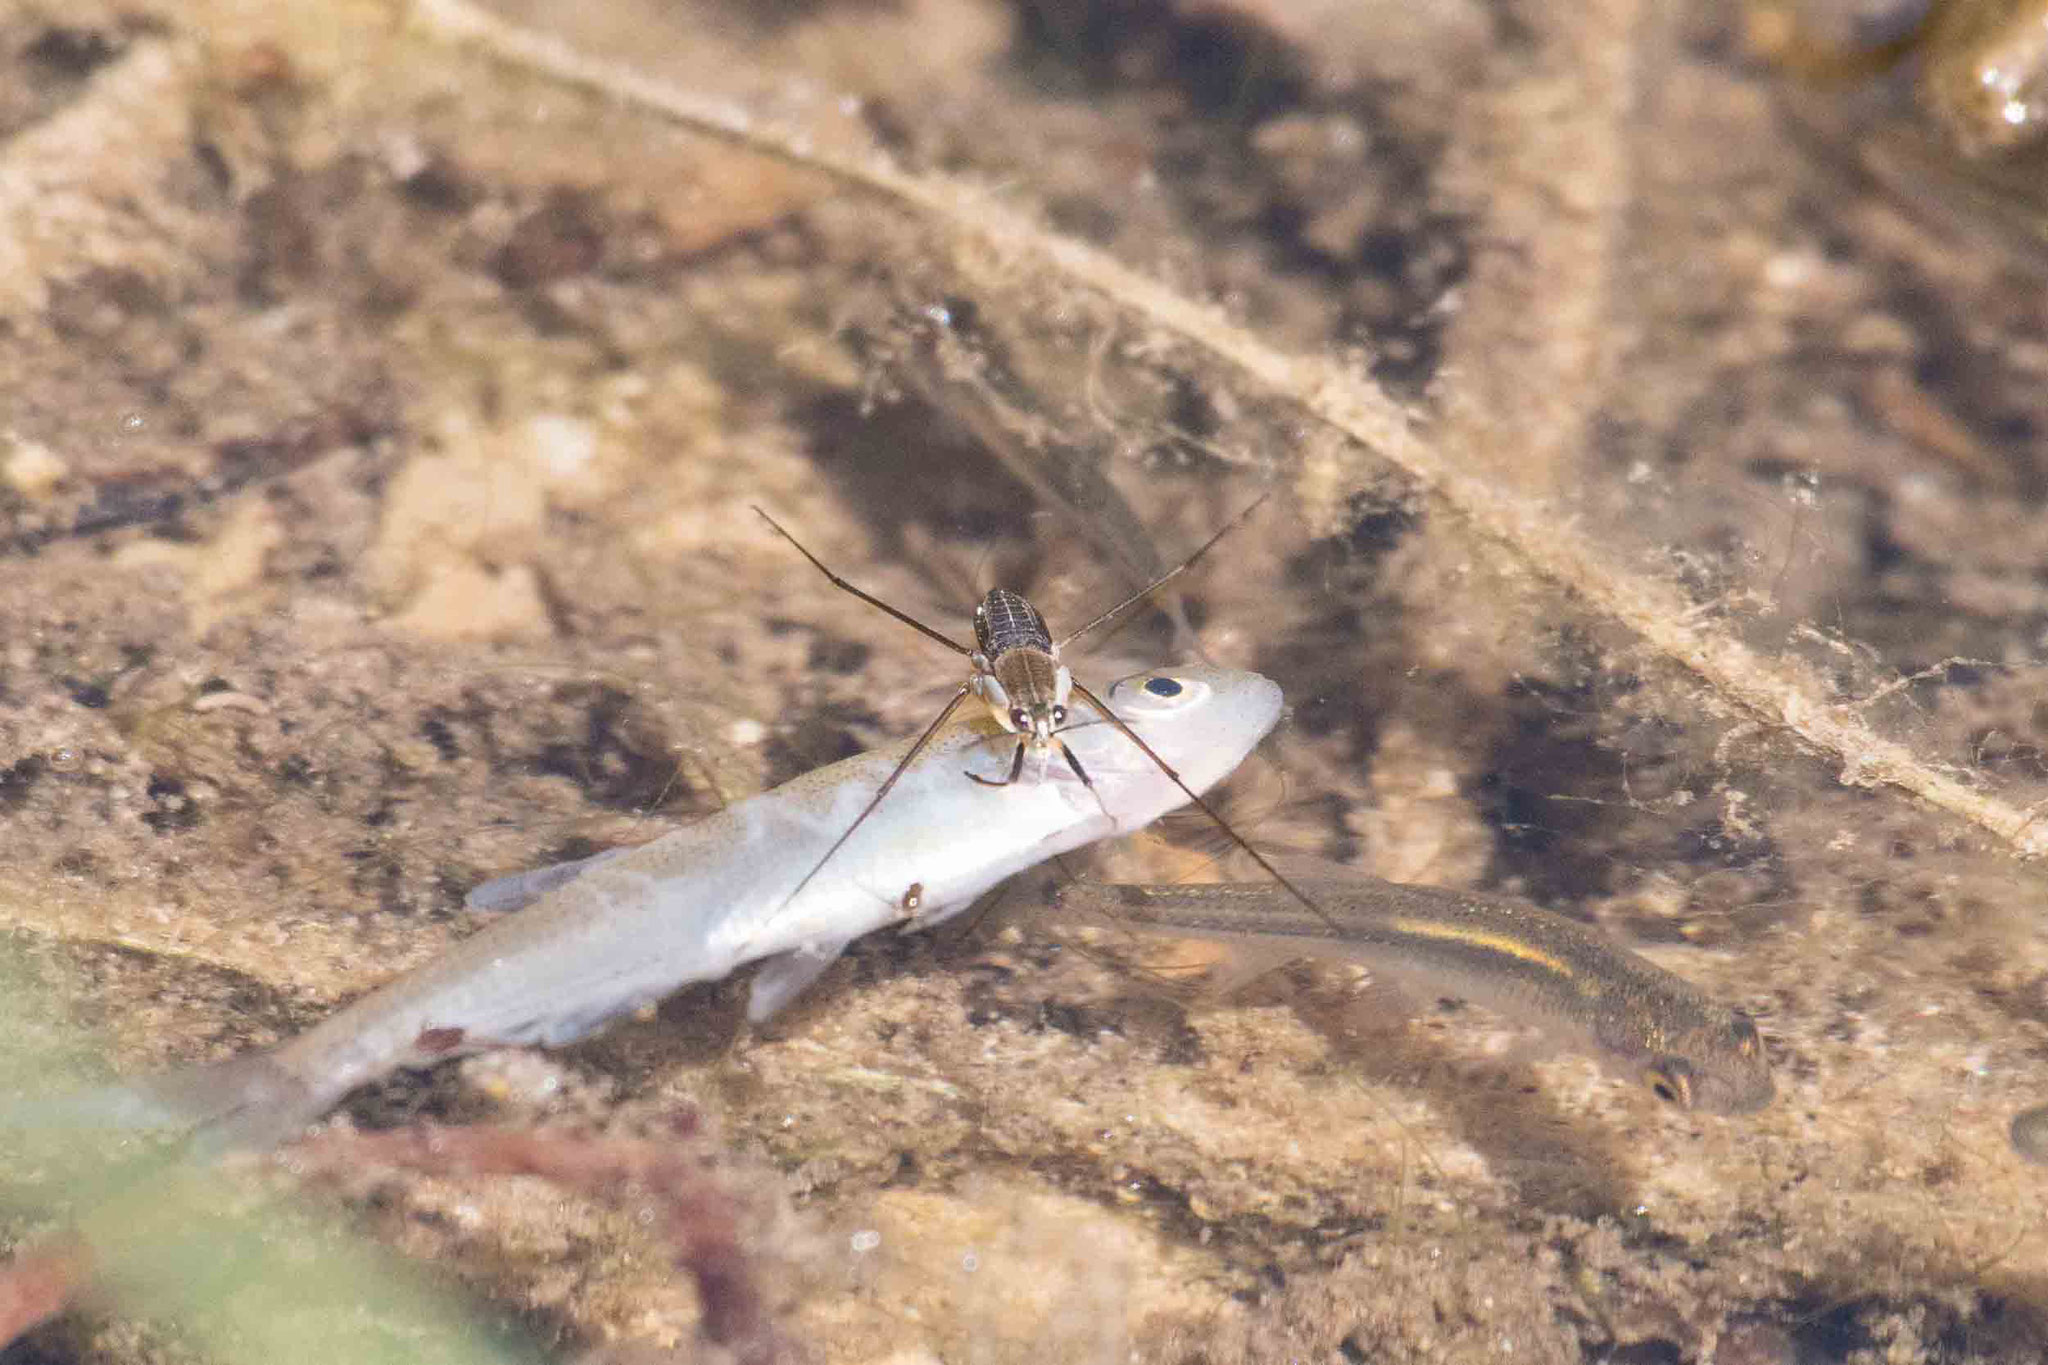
1005, 621
1019, 677
1017, 669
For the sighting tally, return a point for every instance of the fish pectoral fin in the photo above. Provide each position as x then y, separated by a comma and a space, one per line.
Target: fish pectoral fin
783, 977
521, 889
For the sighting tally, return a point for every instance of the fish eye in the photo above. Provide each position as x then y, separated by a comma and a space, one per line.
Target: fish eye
1670, 1080
1157, 695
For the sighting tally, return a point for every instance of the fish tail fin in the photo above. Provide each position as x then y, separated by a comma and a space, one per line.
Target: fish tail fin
250, 1101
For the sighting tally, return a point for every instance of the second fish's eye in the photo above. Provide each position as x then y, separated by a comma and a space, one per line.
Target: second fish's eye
1163, 687
1670, 1080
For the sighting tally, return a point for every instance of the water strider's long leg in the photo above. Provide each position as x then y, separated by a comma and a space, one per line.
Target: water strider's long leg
1079, 771
1017, 769
1102, 708
873, 601
923, 741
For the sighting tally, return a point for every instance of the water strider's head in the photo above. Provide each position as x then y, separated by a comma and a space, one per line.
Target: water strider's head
1017, 670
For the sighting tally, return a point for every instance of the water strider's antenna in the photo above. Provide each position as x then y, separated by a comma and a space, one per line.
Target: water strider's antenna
1175, 572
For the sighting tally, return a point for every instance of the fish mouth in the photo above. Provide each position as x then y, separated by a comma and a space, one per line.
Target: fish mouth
1732, 1094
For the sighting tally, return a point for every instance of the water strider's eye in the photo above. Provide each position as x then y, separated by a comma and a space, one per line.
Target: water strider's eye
1164, 687
1018, 720
1059, 715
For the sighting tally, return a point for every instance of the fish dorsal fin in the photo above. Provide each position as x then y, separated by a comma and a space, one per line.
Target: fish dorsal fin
521, 889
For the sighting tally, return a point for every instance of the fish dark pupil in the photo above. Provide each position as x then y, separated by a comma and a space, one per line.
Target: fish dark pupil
1163, 687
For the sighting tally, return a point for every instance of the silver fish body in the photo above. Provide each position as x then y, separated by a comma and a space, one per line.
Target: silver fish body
609, 934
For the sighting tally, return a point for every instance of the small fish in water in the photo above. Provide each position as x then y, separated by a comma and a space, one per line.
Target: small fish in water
1508, 955
608, 934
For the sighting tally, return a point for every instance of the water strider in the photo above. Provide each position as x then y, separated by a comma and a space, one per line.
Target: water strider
608, 934
1016, 672
1527, 963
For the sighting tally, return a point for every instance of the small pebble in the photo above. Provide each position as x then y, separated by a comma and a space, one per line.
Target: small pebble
31, 469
